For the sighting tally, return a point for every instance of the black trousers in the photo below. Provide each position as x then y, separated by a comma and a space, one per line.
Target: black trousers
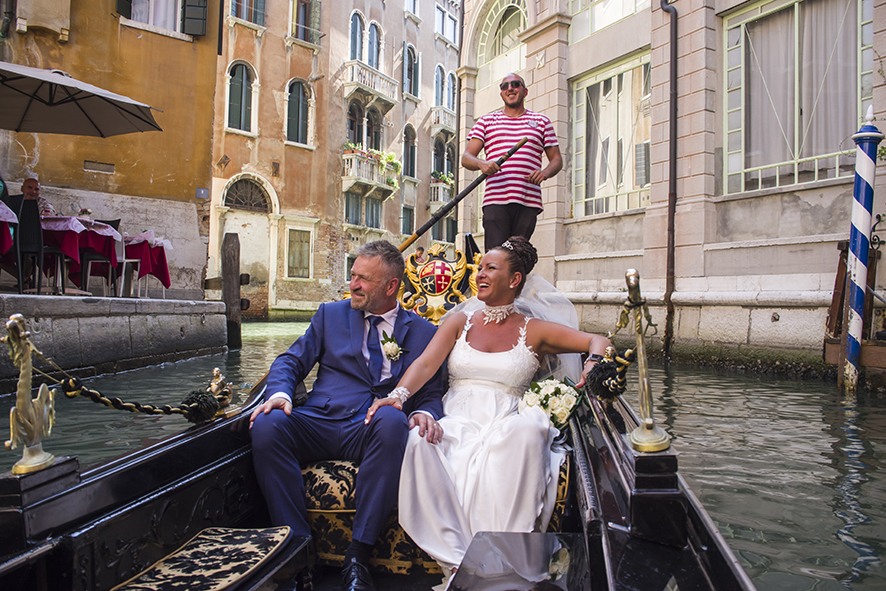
500, 222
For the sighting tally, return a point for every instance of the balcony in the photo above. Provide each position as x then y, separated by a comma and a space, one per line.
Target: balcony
441, 194
367, 176
373, 87
442, 120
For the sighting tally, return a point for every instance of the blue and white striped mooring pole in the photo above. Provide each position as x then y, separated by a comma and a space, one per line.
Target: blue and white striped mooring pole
867, 139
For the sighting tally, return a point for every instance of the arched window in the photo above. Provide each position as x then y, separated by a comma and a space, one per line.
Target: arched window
410, 71
356, 37
409, 151
247, 194
451, 92
297, 113
450, 159
439, 155
374, 45
505, 37
439, 82
240, 98
355, 123
373, 129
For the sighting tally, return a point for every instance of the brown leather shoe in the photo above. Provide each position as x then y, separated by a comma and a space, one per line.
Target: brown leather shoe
355, 577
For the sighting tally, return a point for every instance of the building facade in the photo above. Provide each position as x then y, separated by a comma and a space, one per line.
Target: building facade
768, 97
334, 126
160, 53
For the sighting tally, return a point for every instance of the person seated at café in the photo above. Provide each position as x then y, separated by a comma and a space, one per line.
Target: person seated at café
31, 191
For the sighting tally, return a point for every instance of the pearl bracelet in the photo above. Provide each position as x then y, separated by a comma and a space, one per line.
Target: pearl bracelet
400, 393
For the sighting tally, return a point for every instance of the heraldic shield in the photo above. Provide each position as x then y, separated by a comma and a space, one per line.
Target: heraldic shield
435, 285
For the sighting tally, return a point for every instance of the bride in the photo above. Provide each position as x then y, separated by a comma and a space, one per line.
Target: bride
493, 469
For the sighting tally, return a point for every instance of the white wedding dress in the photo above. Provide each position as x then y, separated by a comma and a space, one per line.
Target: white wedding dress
494, 470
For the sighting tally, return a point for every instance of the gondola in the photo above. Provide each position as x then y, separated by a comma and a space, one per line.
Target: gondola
625, 521
629, 521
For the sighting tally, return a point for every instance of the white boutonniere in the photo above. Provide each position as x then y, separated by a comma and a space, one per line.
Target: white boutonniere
391, 347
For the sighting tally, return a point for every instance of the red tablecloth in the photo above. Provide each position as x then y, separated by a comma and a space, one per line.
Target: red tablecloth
5, 237
72, 234
152, 261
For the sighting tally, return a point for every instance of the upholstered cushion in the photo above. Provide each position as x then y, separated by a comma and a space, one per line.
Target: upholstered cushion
212, 560
329, 487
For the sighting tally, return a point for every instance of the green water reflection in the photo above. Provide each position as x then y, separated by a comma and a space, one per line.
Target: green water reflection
95, 433
792, 473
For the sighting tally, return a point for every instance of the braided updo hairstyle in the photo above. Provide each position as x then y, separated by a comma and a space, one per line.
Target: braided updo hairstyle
521, 257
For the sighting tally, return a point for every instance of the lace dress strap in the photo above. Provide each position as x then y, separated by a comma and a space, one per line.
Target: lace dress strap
522, 339
467, 326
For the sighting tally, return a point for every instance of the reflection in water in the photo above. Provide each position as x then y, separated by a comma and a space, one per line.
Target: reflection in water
96, 433
789, 470
792, 473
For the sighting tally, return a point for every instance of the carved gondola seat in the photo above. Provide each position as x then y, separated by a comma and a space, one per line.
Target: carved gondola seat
330, 488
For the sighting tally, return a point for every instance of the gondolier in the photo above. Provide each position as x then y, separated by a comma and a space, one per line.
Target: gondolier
512, 199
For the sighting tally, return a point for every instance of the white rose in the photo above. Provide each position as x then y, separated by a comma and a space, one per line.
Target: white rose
548, 389
531, 399
392, 351
562, 415
554, 403
568, 401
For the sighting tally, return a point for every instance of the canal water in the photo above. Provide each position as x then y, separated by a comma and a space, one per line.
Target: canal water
792, 473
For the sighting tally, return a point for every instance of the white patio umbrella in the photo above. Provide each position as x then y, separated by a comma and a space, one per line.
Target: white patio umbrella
51, 101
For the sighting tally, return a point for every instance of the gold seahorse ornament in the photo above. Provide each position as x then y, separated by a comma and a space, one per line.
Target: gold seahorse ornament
30, 420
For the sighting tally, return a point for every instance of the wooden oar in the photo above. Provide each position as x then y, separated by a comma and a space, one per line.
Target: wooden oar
448, 207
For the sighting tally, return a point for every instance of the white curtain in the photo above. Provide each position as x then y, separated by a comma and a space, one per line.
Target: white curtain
769, 96
829, 75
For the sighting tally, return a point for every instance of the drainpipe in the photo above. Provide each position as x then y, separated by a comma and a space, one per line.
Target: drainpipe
8, 15
670, 281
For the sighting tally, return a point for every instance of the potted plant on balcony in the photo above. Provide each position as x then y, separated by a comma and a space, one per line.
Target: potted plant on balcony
392, 162
352, 148
442, 177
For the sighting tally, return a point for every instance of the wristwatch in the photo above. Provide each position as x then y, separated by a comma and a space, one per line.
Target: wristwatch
595, 357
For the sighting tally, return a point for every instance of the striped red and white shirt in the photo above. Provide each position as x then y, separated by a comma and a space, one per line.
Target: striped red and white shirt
499, 133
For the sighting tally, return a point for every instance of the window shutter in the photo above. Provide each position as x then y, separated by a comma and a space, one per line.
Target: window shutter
405, 60
314, 22
641, 164
194, 17
418, 75
247, 101
259, 13
235, 93
124, 8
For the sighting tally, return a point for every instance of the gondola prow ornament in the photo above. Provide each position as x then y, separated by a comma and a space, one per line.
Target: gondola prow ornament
30, 420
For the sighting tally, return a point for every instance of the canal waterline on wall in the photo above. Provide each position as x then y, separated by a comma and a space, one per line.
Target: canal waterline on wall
792, 473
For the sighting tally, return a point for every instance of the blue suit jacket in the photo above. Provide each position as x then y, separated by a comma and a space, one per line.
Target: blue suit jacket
344, 389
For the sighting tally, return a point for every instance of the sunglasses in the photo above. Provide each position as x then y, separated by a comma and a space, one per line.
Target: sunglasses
511, 84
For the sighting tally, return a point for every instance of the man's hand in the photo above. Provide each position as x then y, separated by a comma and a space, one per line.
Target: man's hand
268, 406
537, 177
428, 428
488, 167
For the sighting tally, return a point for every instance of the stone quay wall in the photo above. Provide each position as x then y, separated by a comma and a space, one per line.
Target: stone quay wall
89, 336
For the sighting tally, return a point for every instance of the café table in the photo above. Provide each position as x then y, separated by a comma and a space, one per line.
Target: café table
71, 234
7, 216
149, 253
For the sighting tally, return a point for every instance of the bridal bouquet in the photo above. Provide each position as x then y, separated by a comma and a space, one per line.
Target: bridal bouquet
556, 399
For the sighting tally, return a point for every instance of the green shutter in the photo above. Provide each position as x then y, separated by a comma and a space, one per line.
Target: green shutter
124, 8
258, 16
235, 95
314, 20
194, 17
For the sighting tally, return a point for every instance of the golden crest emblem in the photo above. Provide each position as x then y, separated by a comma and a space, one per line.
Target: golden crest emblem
436, 285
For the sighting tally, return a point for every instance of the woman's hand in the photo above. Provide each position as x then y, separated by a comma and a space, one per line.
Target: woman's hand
380, 402
589, 365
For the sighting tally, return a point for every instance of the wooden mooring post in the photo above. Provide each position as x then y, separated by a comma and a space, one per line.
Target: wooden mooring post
229, 284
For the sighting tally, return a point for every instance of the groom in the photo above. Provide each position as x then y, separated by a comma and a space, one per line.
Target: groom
346, 339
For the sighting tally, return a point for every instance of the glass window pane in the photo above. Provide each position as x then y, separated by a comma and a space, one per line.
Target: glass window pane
734, 141
734, 57
734, 99
298, 261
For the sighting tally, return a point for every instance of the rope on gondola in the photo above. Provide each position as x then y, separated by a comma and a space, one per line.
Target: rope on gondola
198, 407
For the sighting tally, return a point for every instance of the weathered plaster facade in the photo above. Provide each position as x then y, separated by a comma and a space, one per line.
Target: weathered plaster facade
304, 180
754, 268
149, 180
